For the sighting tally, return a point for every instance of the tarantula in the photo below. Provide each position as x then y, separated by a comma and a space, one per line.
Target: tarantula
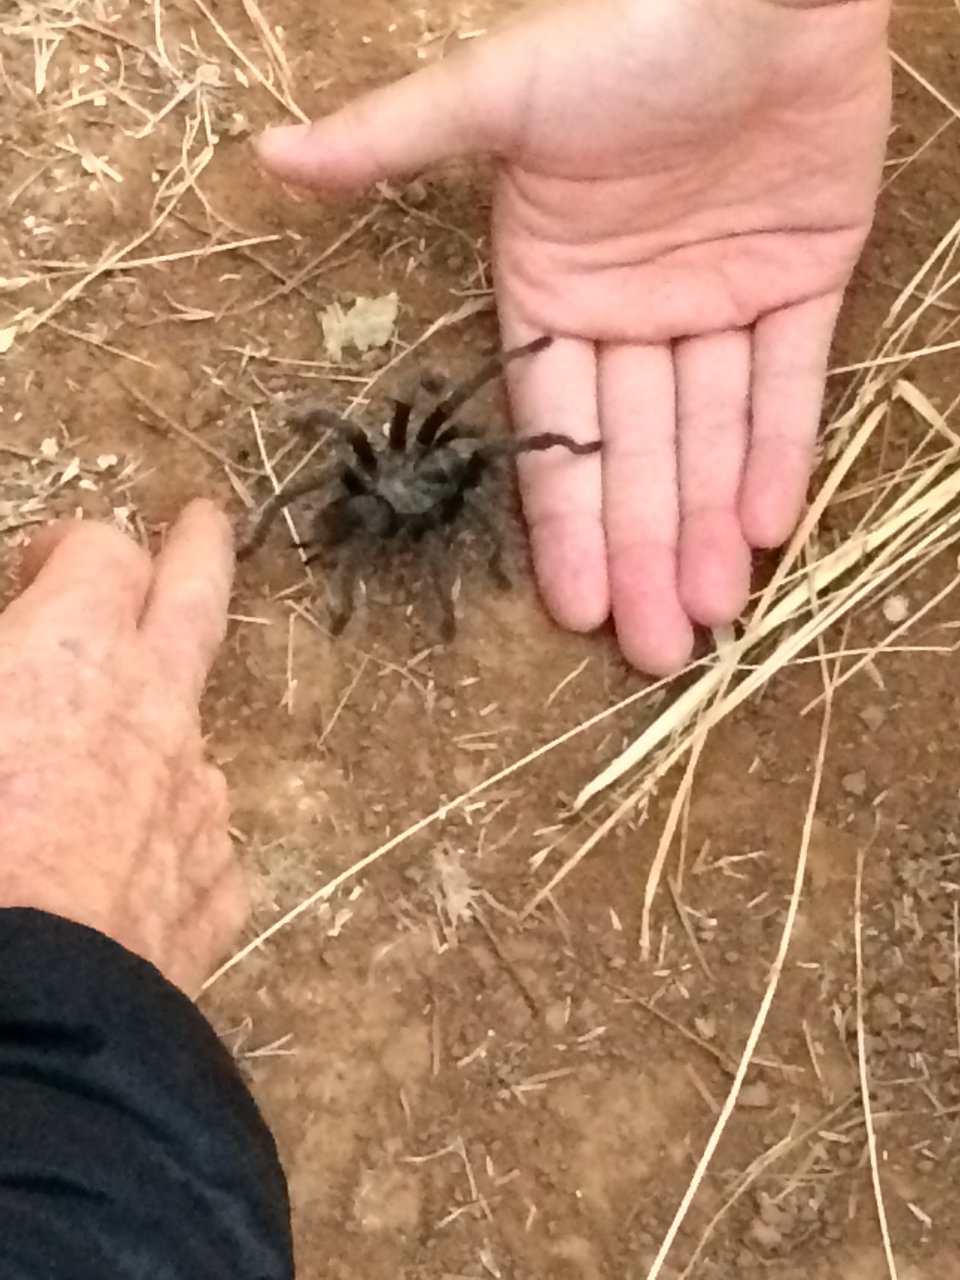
406, 488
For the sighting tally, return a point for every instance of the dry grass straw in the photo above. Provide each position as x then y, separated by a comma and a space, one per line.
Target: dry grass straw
864, 1075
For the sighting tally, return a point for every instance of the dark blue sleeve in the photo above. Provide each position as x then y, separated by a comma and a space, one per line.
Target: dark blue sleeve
130, 1148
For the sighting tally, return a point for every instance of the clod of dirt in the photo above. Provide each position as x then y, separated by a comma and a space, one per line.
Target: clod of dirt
896, 609
706, 1028
855, 784
755, 1096
884, 1011
368, 324
772, 1215
555, 1016
873, 717
767, 1237
387, 1199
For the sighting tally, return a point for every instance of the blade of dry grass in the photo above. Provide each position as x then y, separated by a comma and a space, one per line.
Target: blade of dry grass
864, 1074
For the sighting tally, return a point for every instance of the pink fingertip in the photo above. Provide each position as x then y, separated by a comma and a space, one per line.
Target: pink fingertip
572, 574
653, 630
280, 150
714, 568
774, 493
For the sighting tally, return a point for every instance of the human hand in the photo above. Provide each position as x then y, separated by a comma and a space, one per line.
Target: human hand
684, 189
109, 814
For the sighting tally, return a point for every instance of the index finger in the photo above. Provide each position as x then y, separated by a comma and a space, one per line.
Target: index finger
562, 495
185, 619
82, 576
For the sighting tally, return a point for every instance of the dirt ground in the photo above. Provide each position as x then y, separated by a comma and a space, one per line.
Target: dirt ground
458, 1091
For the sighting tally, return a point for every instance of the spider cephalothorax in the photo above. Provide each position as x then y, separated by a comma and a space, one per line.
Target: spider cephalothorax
405, 487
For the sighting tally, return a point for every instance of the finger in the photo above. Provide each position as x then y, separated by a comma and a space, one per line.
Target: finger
713, 391
556, 390
790, 353
80, 573
186, 616
432, 115
41, 547
641, 506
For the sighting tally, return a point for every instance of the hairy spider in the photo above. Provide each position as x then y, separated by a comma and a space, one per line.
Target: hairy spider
406, 488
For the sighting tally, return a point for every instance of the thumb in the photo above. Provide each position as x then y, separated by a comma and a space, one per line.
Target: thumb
445, 110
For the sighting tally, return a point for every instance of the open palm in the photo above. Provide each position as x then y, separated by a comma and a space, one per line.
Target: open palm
685, 187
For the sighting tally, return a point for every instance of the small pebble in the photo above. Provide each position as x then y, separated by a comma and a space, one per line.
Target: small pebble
415, 192
555, 1017
885, 1011
767, 1237
896, 609
773, 1216
755, 1096
873, 717
855, 784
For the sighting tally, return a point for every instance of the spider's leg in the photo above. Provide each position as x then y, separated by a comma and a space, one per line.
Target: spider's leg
344, 591
459, 396
442, 581
538, 444
404, 405
495, 563
352, 482
397, 437
477, 465
317, 416
269, 512
449, 433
